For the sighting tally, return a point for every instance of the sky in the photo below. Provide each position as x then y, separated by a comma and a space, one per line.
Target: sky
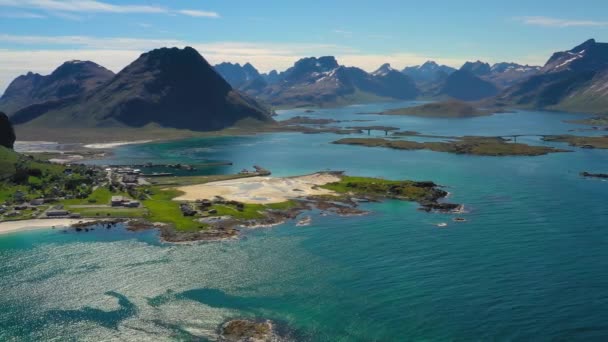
38, 35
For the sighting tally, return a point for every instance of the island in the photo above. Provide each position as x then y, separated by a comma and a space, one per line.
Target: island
580, 141
480, 146
188, 207
443, 109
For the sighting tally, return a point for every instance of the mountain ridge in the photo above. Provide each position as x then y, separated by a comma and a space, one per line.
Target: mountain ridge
169, 87
72, 78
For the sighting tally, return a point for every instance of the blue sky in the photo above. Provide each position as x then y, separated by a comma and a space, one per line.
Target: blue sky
38, 35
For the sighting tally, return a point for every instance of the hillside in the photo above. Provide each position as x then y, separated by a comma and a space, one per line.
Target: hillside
168, 87
465, 85
72, 78
573, 80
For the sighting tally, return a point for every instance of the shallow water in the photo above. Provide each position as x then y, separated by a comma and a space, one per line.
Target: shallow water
529, 264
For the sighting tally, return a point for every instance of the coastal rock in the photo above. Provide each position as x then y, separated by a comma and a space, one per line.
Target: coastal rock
594, 175
243, 330
7, 133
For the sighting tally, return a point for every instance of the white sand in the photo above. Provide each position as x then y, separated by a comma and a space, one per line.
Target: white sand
260, 190
116, 144
23, 225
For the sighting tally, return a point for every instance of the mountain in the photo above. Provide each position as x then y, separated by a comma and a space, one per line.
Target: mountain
465, 85
428, 72
271, 77
573, 80
169, 87
477, 68
72, 78
504, 74
7, 134
322, 81
237, 75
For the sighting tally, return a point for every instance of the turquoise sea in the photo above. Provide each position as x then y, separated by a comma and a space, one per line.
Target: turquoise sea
530, 263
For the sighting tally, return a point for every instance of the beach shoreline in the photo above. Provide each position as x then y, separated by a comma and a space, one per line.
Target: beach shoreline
8, 227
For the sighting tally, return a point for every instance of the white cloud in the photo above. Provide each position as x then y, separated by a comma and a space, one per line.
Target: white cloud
21, 15
91, 6
557, 22
197, 13
67, 8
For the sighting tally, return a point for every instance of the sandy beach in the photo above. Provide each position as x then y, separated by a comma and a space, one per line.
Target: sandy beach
24, 225
260, 190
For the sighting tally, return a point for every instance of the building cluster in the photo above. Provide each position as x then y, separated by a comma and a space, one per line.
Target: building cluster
120, 201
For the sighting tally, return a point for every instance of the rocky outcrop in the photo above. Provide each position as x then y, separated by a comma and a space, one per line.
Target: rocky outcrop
7, 133
243, 330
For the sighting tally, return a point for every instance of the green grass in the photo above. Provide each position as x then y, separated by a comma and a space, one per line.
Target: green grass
376, 186
109, 212
162, 208
101, 195
250, 211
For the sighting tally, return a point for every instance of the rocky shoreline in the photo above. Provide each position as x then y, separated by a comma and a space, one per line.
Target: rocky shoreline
350, 192
245, 330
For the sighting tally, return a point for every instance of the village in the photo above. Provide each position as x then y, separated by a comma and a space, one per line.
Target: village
78, 191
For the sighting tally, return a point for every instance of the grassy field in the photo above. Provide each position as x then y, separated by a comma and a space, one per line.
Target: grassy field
101, 195
375, 186
162, 208
109, 212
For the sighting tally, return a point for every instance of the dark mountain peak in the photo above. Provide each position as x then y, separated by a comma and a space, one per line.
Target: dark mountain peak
478, 68
513, 67
430, 64
174, 58
320, 64
237, 75
585, 45
589, 56
7, 134
72, 78
384, 70
77, 68
465, 85
428, 72
309, 68
228, 65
